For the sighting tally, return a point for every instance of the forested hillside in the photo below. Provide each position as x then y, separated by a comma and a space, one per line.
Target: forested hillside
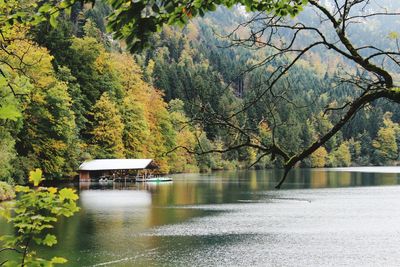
201, 66
80, 95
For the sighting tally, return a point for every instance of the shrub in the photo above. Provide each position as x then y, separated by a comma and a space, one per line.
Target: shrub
6, 191
33, 215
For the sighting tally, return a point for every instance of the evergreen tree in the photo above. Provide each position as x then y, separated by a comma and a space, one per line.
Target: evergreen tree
181, 160
49, 137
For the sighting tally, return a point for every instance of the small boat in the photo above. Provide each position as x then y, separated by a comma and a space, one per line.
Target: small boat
155, 179
105, 180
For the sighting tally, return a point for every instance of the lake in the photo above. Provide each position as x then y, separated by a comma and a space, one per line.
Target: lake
321, 217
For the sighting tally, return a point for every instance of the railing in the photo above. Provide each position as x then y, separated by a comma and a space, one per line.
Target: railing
124, 178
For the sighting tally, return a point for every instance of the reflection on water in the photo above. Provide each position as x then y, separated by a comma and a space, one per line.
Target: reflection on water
379, 169
236, 218
114, 199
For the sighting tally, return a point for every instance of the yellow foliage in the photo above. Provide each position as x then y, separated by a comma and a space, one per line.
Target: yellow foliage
385, 143
318, 158
128, 72
181, 160
25, 57
192, 31
341, 156
32, 60
108, 128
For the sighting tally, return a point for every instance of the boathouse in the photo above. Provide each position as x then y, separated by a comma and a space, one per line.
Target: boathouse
115, 168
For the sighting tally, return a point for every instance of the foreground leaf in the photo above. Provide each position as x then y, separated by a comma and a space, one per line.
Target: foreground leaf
50, 240
9, 112
68, 193
35, 177
58, 260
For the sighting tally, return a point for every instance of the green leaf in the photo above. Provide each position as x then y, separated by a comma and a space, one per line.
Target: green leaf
11, 263
68, 193
35, 177
9, 112
50, 240
52, 190
45, 8
8, 239
68, 11
212, 7
58, 260
20, 188
53, 19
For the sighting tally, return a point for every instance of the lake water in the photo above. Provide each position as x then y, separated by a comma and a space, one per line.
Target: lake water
319, 218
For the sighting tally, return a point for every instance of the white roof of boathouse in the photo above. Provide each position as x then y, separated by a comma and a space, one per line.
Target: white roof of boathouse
115, 164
